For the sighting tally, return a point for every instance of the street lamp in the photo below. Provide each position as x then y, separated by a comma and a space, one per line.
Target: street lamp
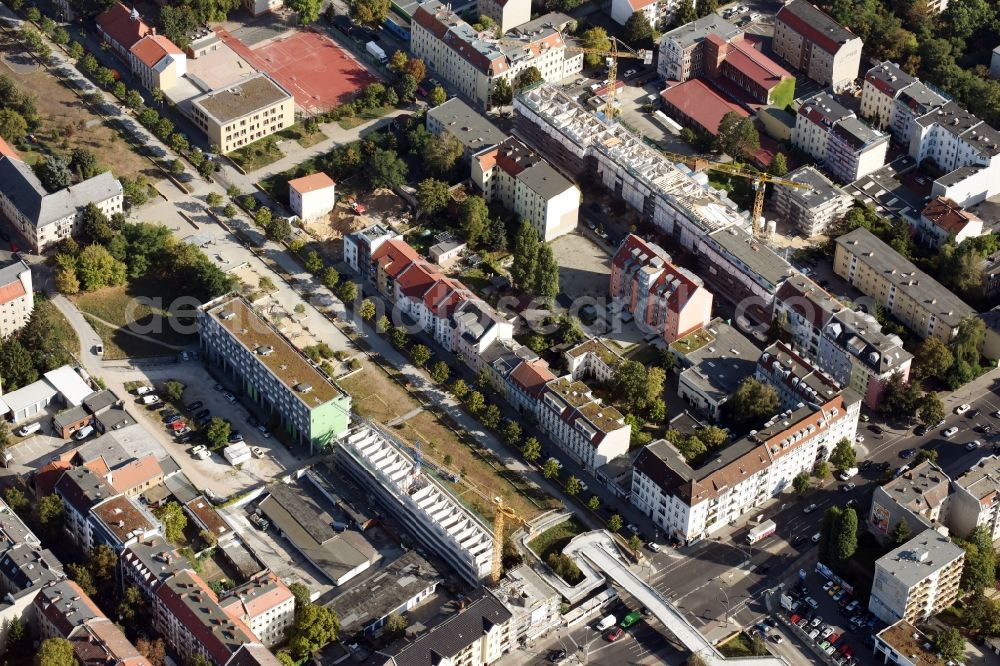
728, 607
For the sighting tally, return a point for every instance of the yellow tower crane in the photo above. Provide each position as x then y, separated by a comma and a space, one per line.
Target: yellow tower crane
759, 180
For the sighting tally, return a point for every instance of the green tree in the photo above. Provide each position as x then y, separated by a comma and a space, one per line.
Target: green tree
277, 228
550, 469
801, 482
594, 503
931, 410
474, 219
313, 262
16, 500
96, 268
531, 450
979, 572
80, 575
172, 515
822, 470
950, 645
131, 605
826, 551
420, 354
307, 10
459, 388
395, 625
13, 126
846, 542
367, 309
263, 216
615, 523
844, 456
545, 281
172, 390
752, 402
330, 277
573, 486
738, 136
437, 96
900, 533
512, 433
347, 291
54, 173
386, 169
440, 372
657, 411
76, 51
685, 13
432, 196
491, 417
778, 166
596, 41
926, 454
371, 13
214, 199
899, 399
982, 615
525, 256
301, 594
502, 94
50, 514
229, 211
399, 337
442, 152
635, 543
217, 433
315, 626
630, 383
637, 29
933, 358
528, 77
133, 99
55, 652
475, 402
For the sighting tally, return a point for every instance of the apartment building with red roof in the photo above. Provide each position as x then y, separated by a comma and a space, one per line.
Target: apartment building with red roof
17, 298
943, 218
121, 28
265, 604
157, 61
815, 44
664, 298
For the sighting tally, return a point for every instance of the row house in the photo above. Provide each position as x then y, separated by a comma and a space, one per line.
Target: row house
578, 423
526, 383
681, 53
795, 380
121, 28
690, 504
943, 219
665, 299
358, 248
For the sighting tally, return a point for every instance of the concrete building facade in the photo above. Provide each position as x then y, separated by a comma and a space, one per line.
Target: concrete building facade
17, 298
312, 197
918, 579
811, 210
243, 112
975, 500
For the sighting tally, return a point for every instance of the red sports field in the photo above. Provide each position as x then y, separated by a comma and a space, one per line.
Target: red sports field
311, 66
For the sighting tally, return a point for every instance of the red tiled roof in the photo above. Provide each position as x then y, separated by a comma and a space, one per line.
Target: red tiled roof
417, 279
47, 476
532, 376
755, 65
947, 215
12, 291
311, 183
633, 242
394, 256
134, 474
636, 5
257, 597
7, 150
151, 49
118, 25
699, 102
488, 160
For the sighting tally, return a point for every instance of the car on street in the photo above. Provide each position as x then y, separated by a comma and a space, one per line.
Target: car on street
192, 406
809, 509
907, 453
264, 431
963, 408
198, 449
219, 387
633, 528
557, 655
949, 433
975, 413
839, 595
812, 603
143, 390
614, 634
203, 420
848, 487
827, 585
859, 438
235, 436
230, 398
202, 413
984, 428
653, 546
973, 445
920, 431
876, 428
996, 414
777, 639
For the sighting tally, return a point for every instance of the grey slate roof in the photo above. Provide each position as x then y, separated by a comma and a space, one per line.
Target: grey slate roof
467, 125
822, 189
25, 191
11, 272
858, 134
919, 557
544, 180
695, 31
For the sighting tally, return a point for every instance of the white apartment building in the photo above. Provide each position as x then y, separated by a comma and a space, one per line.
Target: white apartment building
812, 42
811, 210
679, 57
691, 504
265, 604
882, 85
385, 468
964, 147
657, 12
519, 179
943, 219
815, 119
918, 579
243, 112
578, 423
17, 298
592, 359
312, 197
261, 7
854, 150
358, 247
794, 378
158, 62
44, 219
524, 386
914, 101
975, 499
506, 14
472, 61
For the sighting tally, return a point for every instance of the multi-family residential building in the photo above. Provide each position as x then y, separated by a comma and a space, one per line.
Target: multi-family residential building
44, 219
665, 299
681, 53
265, 604
243, 112
313, 196
519, 179
903, 644
943, 219
811, 210
812, 42
17, 299
470, 127
272, 373
385, 467
742, 269
854, 150
962, 146
501, 358
118, 522
923, 304
526, 383
918, 579
882, 85
121, 27
80, 490
474, 61
187, 614
975, 499
477, 635
147, 564
590, 432
655, 11
918, 496
592, 359
714, 360
692, 503
672, 199
803, 309
793, 378
505, 14
914, 101
534, 605
157, 61
358, 247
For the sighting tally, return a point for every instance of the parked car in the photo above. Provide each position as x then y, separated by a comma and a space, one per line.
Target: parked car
29, 429
83, 433
219, 387
203, 420
264, 431
920, 431
202, 413
192, 406
614, 634
963, 408
633, 528
183, 431
177, 425
235, 436
973, 445
907, 453
950, 432
809, 509
230, 398
143, 390
172, 419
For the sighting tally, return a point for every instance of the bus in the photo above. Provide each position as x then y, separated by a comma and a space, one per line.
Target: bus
630, 619
764, 530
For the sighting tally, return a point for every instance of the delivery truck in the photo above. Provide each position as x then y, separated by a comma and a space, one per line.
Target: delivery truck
376, 50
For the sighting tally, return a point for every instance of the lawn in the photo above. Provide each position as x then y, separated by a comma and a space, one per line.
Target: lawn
67, 123
258, 154
739, 646
554, 539
363, 117
133, 308
377, 397
299, 134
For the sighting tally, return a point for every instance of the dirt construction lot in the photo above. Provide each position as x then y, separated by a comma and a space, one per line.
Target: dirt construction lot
66, 123
584, 268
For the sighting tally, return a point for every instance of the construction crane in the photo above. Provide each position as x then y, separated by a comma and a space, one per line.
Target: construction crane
612, 55
759, 180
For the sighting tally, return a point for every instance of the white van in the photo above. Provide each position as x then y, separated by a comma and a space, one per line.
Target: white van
150, 399
29, 429
83, 433
143, 390
607, 623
